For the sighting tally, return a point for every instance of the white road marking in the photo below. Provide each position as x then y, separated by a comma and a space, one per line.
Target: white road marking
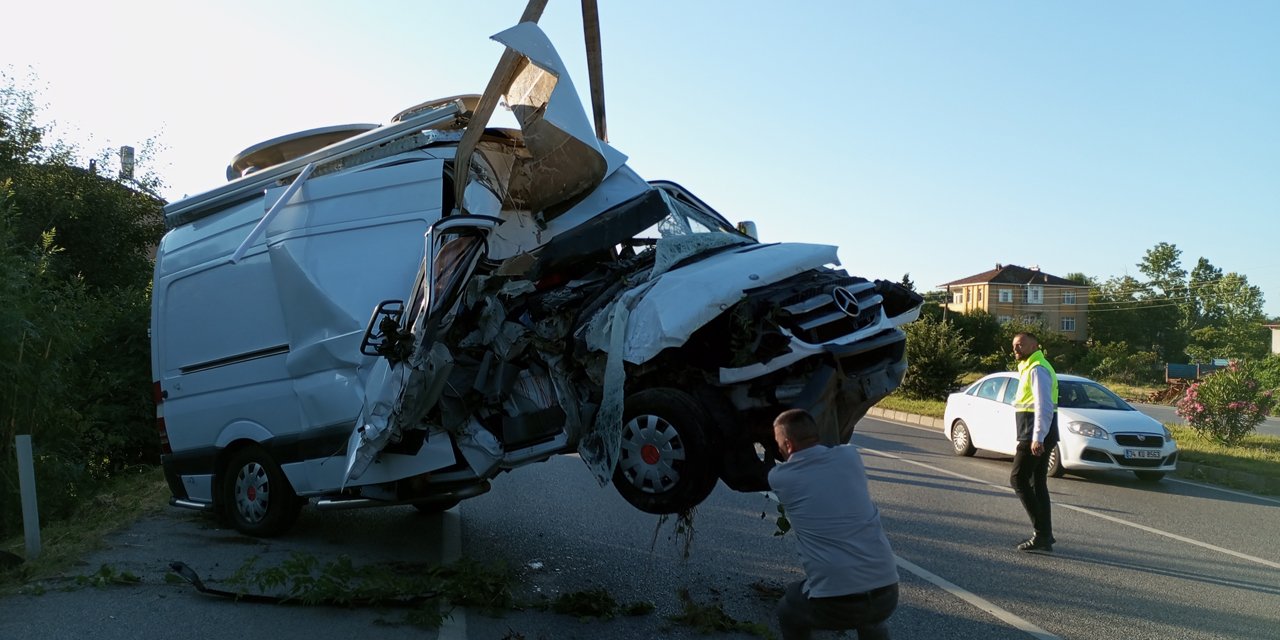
973, 599
1234, 493
1072, 507
964, 594
455, 625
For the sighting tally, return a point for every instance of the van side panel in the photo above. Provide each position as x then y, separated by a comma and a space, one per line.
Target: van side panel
272, 341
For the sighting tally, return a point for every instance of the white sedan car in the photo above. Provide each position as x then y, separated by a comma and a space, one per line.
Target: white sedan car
1097, 429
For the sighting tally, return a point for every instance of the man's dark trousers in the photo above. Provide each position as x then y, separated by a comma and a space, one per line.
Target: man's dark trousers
866, 612
1030, 479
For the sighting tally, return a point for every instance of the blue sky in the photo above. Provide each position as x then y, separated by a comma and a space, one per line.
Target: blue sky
935, 138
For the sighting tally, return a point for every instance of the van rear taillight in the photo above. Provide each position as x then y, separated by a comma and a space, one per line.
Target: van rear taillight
159, 394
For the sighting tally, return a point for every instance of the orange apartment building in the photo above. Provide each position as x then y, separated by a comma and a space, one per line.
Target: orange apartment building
1010, 292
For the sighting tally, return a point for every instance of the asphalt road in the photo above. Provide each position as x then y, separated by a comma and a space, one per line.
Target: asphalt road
1167, 415
1171, 560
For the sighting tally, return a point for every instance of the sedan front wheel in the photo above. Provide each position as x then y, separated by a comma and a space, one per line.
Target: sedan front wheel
1055, 462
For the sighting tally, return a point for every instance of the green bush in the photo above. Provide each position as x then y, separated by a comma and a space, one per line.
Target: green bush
1268, 372
1228, 404
74, 311
1116, 361
937, 357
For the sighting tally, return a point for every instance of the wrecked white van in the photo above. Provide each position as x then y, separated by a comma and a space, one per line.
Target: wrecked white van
370, 315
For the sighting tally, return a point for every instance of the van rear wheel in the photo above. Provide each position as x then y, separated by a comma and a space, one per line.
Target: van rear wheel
256, 496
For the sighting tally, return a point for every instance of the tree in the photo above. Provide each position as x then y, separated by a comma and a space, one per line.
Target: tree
1204, 277
1116, 314
105, 228
74, 308
1081, 279
987, 341
937, 356
1170, 312
935, 298
906, 282
1231, 320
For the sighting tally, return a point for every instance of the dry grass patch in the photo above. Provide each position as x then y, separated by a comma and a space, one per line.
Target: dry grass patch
126, 498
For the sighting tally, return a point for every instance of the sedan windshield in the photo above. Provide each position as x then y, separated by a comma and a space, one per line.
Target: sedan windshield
1089, 395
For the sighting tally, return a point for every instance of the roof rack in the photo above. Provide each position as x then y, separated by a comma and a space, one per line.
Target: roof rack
204, 204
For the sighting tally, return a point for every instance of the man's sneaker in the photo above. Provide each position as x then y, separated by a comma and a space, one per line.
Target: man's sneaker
1032, 544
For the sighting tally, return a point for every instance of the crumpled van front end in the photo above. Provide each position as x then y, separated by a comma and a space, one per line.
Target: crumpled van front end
531, 295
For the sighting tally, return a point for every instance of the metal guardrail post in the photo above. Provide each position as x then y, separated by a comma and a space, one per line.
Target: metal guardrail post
27, 488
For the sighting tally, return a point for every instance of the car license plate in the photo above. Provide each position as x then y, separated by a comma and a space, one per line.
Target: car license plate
1142, 454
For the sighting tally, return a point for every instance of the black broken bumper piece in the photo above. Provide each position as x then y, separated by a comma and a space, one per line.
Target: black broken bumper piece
855, 377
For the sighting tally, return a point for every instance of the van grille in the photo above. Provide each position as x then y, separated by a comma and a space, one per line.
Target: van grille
822, 314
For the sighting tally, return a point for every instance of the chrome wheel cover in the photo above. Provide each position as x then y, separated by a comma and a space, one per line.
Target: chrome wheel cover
650, 448
252, 492
960, 438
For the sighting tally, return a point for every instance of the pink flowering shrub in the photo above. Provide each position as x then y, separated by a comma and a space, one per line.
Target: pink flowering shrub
1228, 404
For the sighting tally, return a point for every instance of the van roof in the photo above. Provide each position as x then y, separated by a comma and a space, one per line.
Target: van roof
343, 141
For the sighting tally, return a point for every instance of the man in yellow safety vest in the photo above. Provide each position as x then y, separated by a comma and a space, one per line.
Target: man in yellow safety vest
1036, 415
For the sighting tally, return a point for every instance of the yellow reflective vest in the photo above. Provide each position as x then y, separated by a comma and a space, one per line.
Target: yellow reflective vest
1024, 400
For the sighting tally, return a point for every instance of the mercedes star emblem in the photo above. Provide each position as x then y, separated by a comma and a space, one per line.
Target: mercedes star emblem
846, 301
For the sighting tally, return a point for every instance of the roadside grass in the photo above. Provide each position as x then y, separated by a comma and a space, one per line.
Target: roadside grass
930, 408
1256, 454
66, 542
1135, 392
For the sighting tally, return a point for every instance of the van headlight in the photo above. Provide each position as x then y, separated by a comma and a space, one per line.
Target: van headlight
1088, 430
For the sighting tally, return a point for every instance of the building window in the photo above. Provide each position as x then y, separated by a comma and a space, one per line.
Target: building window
1068, 324
979, 296
1006, 295
1068, 297
1035, 294
1004, 319
958, 297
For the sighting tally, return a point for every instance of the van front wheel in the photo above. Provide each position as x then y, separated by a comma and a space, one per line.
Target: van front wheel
665, 463
256, 497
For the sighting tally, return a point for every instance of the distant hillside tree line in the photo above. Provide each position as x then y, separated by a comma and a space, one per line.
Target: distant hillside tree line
1135, 327
75, 276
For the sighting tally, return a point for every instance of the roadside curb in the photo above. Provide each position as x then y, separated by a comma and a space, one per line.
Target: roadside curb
1187, 470
909, 418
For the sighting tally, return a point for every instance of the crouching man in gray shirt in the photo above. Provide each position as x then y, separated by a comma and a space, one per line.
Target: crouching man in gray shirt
851, 579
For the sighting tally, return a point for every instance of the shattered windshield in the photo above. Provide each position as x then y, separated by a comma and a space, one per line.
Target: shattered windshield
684, 218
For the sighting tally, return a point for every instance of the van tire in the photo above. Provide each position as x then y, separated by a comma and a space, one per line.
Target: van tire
256, 497
665, 463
